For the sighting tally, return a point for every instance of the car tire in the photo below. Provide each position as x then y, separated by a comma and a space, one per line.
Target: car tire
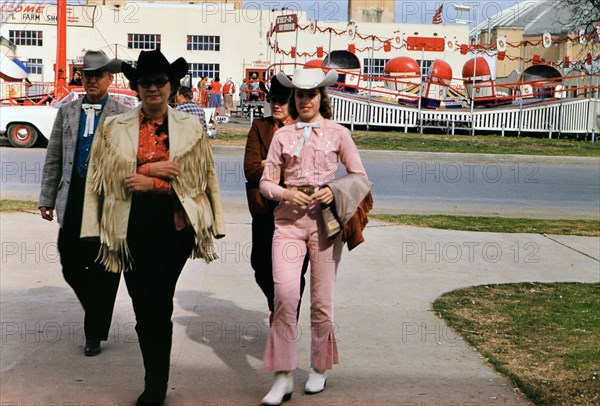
22, 135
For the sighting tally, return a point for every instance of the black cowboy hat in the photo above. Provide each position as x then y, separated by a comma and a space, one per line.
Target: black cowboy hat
152, 62
276, 88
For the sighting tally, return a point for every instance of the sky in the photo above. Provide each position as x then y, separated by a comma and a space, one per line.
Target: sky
406, 11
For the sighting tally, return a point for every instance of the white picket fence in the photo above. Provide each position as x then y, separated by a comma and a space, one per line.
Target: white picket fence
573, 116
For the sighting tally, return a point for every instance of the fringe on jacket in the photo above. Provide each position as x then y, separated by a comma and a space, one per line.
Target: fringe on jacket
111, 166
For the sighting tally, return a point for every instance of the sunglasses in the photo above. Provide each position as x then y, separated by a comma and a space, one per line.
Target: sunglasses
98, 74
159, 82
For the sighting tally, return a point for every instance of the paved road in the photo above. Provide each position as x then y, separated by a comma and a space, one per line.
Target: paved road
405, 182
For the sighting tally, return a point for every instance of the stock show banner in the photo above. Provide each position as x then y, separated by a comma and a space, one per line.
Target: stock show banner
45, 14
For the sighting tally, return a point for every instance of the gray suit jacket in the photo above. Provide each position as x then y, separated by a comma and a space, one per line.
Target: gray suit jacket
60, 155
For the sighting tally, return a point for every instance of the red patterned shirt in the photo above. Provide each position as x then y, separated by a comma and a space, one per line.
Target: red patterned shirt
153, 147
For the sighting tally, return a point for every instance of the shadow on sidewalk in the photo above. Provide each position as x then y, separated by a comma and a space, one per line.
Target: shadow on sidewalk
235, 334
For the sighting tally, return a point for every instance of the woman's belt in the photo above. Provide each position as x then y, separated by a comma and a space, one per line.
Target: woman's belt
308, 190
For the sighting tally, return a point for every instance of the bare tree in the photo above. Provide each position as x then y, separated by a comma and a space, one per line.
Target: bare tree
585, 13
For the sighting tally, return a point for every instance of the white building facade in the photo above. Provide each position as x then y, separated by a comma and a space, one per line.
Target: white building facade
215, 39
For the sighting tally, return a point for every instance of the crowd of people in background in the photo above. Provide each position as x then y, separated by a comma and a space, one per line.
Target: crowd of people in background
211, 92
220, 95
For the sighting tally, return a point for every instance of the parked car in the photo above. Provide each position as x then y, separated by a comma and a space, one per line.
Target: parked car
26, 125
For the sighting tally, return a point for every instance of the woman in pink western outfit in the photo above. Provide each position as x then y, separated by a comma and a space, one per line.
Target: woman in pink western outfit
306, 154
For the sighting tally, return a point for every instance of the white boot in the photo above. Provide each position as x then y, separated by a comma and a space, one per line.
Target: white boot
316, 381
282, 389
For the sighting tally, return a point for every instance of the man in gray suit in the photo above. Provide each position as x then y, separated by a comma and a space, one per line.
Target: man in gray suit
63, 186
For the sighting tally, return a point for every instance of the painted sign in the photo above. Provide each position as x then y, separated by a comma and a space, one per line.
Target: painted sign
287, 23
431, 44
45, 14
260, 64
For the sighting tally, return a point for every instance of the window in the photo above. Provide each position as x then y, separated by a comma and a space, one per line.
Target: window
143, 41
425, 67
199, 70
33, 38
35, 66
203, 43
374, 66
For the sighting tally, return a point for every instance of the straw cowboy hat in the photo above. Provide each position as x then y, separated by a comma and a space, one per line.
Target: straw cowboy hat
97, 60
276, 88
308, 78
152, 62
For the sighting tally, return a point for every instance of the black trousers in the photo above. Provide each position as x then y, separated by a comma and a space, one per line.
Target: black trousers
159, 253
263, 227
95, 288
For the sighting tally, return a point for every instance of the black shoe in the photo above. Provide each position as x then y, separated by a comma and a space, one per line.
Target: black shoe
92, 347
151, 398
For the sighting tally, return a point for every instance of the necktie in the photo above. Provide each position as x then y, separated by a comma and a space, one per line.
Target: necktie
90, 112
305, 134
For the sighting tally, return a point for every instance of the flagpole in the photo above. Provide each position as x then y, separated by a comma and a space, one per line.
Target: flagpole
370, 81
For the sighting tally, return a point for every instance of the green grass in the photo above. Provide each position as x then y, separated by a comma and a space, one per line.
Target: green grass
481, 144
18, 205
544, 337
589, 228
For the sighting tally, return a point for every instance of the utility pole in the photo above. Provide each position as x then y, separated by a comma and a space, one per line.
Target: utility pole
60, 69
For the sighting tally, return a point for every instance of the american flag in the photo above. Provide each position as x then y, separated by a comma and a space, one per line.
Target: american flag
437, 17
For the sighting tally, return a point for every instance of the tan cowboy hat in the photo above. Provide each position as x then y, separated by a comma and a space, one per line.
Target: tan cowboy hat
97, 60
308, 78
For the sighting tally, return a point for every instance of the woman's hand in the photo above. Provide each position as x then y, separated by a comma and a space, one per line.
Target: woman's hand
163, 169
138, 183
324, 195
296, 197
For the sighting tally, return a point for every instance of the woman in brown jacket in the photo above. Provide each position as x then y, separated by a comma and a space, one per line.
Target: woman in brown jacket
263, 223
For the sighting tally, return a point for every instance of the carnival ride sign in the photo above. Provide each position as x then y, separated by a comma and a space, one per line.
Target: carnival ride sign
45, 14
287, 23
260, 64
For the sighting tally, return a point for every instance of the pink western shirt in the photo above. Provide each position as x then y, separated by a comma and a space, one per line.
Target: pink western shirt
317, 162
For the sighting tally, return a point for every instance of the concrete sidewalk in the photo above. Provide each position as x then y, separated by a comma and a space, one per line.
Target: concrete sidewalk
393, 349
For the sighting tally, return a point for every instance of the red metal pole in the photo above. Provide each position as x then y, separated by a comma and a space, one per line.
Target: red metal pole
60, 71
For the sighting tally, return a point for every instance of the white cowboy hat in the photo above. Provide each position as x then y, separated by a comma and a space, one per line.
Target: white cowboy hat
308, 78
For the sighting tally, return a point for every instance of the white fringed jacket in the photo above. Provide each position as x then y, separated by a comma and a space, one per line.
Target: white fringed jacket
107, 201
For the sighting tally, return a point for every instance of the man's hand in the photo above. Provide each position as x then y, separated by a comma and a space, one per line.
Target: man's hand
324, 195
296, 197
138, 183
47, 213
163, 169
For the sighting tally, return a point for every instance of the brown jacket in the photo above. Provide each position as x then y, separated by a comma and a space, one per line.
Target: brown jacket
352, 203
257, 146
353, 229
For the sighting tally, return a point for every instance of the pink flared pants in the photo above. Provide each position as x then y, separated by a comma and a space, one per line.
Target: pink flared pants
298, 229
